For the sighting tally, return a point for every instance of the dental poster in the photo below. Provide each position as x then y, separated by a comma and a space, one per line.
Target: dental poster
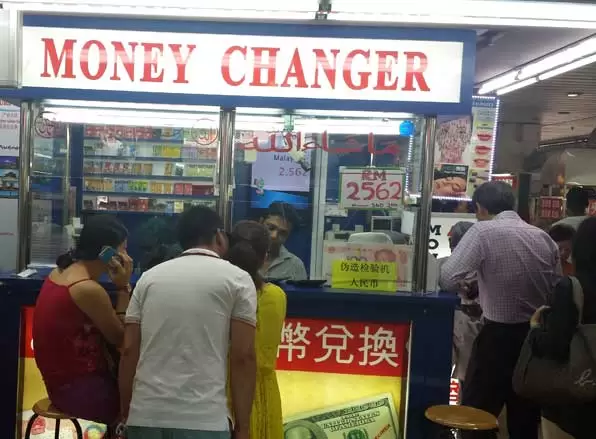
464, 149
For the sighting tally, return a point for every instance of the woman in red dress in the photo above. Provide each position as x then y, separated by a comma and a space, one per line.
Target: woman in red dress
75, 324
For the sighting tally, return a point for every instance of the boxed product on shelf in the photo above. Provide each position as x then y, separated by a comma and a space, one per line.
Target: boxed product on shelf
179, 206
123, 205
168, 188
108, 168
137, 168
108, 185
179, 188
169, 169
188, 189
202, 190
147, 169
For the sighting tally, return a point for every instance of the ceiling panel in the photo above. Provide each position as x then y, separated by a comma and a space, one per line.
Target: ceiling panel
512, 47
547, 103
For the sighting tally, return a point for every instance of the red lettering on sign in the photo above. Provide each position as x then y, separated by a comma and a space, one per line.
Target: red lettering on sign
225, 65
103, 60
181, 62
364, 76
385, 69
295, 71
268, 67
56, 61
151, 69
126, 60
329, 70
414, 73
354, 348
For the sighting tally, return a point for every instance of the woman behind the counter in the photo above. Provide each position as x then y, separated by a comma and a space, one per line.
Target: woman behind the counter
75, 324
249, 245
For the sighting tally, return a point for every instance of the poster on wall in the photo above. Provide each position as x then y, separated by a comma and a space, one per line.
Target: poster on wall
9, 184
464, 148
342, 379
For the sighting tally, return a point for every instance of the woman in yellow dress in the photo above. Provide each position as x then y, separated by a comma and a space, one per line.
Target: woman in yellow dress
249, 245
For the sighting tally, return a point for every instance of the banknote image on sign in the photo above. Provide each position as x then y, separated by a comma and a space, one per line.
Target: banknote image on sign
369, 418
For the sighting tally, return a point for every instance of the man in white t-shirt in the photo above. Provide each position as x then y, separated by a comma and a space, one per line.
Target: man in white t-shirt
185, 316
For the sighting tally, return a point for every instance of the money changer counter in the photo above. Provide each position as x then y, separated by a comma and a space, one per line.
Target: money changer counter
143, 117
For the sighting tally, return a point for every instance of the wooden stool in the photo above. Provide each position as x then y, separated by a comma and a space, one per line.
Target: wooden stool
45, 409
457, 417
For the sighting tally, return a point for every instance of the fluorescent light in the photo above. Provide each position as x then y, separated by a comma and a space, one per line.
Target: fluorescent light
467, 12
565, 56
517, 86
574, 65
346, 126
499, 82
366, 114
48, 103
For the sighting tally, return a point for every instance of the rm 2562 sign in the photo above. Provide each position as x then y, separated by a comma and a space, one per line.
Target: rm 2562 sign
371, 188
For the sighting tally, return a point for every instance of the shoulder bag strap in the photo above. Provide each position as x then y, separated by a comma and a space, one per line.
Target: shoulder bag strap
578, 298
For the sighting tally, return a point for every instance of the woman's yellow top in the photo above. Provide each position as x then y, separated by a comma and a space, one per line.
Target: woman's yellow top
266, 420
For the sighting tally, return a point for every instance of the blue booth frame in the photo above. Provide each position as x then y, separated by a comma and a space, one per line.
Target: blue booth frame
431, 315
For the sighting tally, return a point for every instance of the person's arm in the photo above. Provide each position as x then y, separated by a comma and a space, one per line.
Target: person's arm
272, 313
552, 338
131, 349
129, 358
299, 271
243, 363
94, 301
465, 259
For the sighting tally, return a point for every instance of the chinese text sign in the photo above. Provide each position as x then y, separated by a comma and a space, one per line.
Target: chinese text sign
353, 348
366, 276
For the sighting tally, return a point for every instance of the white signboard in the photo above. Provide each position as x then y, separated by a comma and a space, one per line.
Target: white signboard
440, 226
243, 65
371, 188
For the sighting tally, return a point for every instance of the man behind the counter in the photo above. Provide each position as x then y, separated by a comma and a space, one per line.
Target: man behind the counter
280, 219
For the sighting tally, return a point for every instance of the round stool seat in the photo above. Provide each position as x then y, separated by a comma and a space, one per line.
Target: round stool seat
45, 409
461, 418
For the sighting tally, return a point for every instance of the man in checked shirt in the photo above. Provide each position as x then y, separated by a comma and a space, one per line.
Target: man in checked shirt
517, 266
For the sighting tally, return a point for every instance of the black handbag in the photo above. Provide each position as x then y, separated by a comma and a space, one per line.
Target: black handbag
548, 381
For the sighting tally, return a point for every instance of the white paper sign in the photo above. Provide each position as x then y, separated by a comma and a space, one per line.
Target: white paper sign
371, 188
277, 170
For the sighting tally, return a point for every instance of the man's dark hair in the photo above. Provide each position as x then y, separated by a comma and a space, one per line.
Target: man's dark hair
577, 200
197, 226
495, 197
561, 232
583, 251
285, 211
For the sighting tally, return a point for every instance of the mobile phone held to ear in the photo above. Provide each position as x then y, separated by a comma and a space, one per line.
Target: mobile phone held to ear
107, 254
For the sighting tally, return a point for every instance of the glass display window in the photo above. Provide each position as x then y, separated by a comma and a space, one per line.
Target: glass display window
347, 177
144, 167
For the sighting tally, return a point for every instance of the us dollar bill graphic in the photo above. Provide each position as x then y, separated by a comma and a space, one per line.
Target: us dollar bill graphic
369, 418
